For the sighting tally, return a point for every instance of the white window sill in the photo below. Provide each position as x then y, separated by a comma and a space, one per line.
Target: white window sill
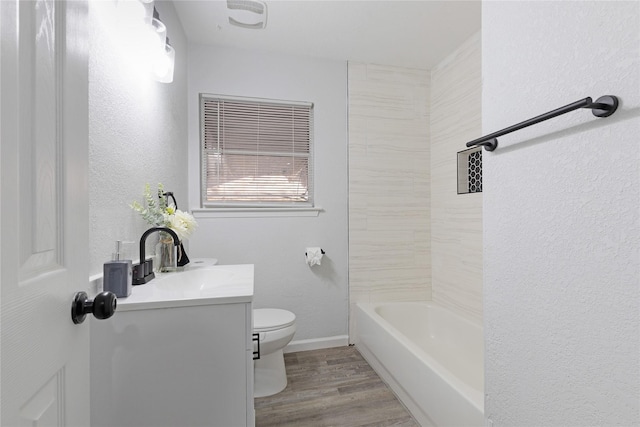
237, 212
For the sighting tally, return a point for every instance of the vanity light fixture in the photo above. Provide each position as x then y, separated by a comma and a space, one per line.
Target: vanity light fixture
134, 12
162, 54
164, 63
157, 36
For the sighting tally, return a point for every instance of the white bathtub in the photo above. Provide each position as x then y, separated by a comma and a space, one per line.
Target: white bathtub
430, 357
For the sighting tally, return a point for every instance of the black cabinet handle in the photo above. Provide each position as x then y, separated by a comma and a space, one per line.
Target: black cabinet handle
256, 354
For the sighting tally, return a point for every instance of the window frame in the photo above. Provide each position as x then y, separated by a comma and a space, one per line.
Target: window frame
237, 206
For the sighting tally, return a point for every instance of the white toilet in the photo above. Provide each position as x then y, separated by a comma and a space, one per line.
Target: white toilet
275, 328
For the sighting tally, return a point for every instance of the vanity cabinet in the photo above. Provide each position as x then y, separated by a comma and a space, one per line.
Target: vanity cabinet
182, 363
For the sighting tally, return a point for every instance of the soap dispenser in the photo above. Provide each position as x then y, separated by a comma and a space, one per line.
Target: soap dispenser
117, 274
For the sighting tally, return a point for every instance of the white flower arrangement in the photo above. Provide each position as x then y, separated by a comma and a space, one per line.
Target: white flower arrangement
159, 214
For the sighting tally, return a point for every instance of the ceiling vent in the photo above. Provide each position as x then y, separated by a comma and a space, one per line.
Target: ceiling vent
247, 13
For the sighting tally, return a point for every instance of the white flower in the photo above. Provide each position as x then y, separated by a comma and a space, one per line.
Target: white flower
159, 214
182, 223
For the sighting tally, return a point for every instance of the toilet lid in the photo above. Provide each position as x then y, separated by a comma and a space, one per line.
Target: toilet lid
268, 319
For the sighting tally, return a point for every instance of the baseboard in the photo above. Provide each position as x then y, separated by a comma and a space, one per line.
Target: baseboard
317, 343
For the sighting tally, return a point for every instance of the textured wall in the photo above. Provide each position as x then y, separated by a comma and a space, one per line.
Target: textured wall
456, 219
276, 244
389, 239
561, 215
137, 131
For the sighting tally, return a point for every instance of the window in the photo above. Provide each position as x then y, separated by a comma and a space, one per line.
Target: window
256, 152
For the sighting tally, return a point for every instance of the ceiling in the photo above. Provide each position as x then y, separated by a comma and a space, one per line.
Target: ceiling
415, 34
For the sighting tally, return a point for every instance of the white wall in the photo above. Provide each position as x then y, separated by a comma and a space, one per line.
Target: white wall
389, 239
276, 245
456, 219
561, 215
137, 131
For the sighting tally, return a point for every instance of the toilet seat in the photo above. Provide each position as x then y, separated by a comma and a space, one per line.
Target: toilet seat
271, 319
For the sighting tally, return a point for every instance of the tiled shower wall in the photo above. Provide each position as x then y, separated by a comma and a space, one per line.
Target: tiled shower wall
456, 219
389, 219
411, 236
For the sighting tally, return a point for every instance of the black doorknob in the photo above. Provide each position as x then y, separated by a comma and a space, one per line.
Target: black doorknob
102, 306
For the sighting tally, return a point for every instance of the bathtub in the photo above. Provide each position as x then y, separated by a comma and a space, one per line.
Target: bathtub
430, 357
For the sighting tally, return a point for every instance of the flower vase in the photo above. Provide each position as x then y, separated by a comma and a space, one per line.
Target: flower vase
166, 253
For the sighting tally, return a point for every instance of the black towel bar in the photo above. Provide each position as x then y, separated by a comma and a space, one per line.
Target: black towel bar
603, 107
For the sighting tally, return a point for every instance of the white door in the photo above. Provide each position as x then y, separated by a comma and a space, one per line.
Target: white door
43, 212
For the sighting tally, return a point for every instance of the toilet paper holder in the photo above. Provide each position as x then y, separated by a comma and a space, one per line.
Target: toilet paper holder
321, 251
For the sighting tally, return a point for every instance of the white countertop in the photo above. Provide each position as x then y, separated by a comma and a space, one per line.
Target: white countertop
218, 284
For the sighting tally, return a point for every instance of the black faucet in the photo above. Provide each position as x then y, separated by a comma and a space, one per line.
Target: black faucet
143, 272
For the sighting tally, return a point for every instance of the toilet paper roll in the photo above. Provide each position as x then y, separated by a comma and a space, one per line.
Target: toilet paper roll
313, 256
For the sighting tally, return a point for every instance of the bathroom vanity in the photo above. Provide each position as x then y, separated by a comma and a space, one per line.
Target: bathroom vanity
177, 352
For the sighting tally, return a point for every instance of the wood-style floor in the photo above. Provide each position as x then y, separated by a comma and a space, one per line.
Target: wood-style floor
331, 387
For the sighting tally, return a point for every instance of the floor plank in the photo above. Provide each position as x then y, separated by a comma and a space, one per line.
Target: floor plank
332, 387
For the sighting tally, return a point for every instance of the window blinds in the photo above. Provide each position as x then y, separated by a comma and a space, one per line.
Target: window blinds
256, 152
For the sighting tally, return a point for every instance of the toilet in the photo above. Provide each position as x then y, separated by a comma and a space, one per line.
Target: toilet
275, 328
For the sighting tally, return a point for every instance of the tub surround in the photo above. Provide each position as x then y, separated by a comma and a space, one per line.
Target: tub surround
411, 236
389, 197
456, 219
